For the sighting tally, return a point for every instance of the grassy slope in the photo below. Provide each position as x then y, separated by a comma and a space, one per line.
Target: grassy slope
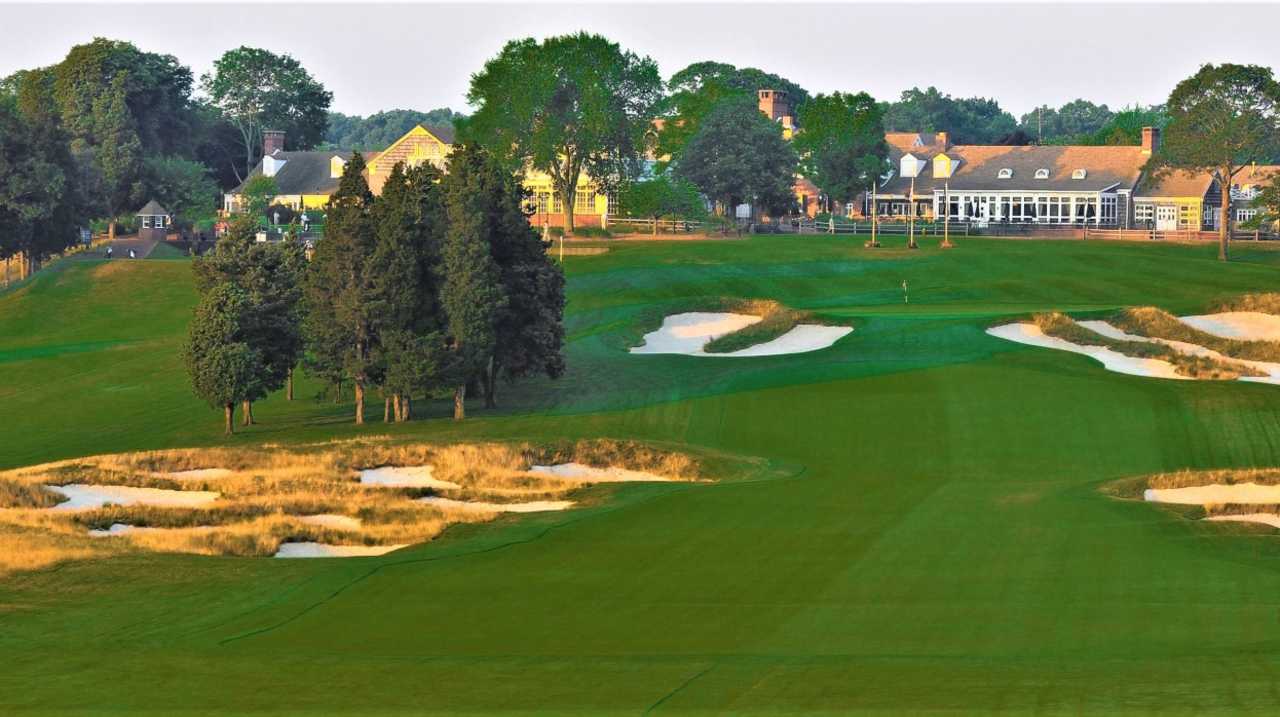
943, 548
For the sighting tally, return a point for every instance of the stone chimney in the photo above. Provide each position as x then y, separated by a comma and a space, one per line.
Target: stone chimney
943, 141
272, 140
1150, 139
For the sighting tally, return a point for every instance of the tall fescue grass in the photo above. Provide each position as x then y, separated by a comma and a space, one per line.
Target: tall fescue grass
1061, 326
1233, 476
270, 488
1158, 323
775, 320
1265, 303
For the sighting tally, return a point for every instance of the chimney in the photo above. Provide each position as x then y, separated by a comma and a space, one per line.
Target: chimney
1150, 139
774, 104
942, 140
272, 141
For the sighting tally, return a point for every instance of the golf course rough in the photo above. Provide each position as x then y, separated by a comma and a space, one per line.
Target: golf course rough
936, 545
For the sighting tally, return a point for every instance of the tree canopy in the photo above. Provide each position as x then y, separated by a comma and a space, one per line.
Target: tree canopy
695, 90
971, 120
738, 155
566, 106
1066, 124
841, 144
379, 130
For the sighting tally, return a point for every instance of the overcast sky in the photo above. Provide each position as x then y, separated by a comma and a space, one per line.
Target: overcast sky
378, 57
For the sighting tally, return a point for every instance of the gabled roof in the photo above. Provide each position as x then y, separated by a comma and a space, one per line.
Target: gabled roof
1255, 174
1176, 183
152, 209
978, 168
303, 172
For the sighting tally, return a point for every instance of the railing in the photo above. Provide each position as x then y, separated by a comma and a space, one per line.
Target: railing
656, 226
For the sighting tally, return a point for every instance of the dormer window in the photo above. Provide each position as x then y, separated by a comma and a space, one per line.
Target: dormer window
1078, 174
1005, 173
1042, 173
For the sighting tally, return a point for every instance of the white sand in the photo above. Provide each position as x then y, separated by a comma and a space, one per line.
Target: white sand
331, 520
800, 339
1272, 370
324, 550
404, 477
122, 528
591, 474
85, 497
1248, 325
198, 474
687, 333
1030, 334
1203, 494
1270, 519
537, 506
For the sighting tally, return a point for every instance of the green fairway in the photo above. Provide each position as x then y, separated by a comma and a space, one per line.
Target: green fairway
929, 538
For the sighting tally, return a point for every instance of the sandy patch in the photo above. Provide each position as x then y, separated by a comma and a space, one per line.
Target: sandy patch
1247, 325
324, 550
800, 339
330, 520
1217, 493
404, 477
84, 497
115, 529
687, 333
1030, 334
537, 506
1270, 519
591, 474
198, 474
1271, 369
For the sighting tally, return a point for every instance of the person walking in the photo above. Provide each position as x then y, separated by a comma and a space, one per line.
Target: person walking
109, 251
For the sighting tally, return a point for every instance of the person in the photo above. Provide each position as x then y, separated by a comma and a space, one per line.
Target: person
108, 251
131, 254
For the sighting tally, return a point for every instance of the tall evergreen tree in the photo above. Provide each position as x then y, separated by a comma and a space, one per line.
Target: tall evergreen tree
340, 324
471, 295
222, 365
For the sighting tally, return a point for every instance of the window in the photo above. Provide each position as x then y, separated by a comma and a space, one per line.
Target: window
543, 202
584, 201
1042, 174
1005, 173
1143, 212
1244, 215
612, 202
1078, 174
1108, 209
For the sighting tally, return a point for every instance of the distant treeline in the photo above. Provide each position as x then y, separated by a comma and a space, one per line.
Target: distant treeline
378, 131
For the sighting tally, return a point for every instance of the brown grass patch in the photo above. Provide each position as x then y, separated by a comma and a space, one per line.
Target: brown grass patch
1265, 303
1061, 326
270, 488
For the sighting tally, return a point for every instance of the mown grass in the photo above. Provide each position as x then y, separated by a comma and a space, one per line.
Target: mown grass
1064, 327
1158, 323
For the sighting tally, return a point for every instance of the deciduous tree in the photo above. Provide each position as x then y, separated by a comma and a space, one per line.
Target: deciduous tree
841, 144
738, 156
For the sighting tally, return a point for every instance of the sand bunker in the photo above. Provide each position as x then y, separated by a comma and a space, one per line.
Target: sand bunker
537, 506
198, 474
403, 477
1271, 369
591, 474
331, 520
324, 550
1030, 334
124, 528
1270, 519
1247, 325
1216, 493
85, 497
688, 333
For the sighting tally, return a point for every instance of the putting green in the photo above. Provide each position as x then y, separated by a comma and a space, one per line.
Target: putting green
929, 540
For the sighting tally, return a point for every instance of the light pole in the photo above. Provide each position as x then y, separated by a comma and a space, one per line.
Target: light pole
946, 217
911, 217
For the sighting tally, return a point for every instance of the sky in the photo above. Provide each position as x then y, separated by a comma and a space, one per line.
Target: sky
421, 56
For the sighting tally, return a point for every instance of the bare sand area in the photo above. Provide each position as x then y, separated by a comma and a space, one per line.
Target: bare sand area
477, 506
1215, 493
82, 496
1030, 334
591, 474
689, 333
325, 550
1247, 325
404, 477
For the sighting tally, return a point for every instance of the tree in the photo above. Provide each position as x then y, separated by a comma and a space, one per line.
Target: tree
340, 323
221, 364
1065, 125
40, 207
1220, 120
378, 131
841, 144
472, 295
259, 90
182, 186
569, 105
738, 156
973, 120
661, 196
1125, 127
116, 153
258, 193
270, 275
696, 89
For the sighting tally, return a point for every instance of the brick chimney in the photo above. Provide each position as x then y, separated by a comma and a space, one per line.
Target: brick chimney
1150, 139
774, 104
272, 140
943, 141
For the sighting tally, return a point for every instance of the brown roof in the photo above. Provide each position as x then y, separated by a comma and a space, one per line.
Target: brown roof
1255, 174
1177, 183
914, 142
979, 167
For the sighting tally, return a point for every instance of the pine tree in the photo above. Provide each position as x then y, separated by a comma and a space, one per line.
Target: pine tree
472, 294
340, 324
223, 367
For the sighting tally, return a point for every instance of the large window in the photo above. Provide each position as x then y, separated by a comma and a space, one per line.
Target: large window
1244, 215
1108, 209
1144, 212
584, 202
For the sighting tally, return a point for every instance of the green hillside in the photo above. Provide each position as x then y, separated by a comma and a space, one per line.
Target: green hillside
935, 543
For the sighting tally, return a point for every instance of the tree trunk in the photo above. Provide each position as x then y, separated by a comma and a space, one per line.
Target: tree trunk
386, 409
229, 411
491, 384
1224, 216
569, 198
359, 403
337, 392
288, 387
406, 408
460, 402
111, 230
247, 410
